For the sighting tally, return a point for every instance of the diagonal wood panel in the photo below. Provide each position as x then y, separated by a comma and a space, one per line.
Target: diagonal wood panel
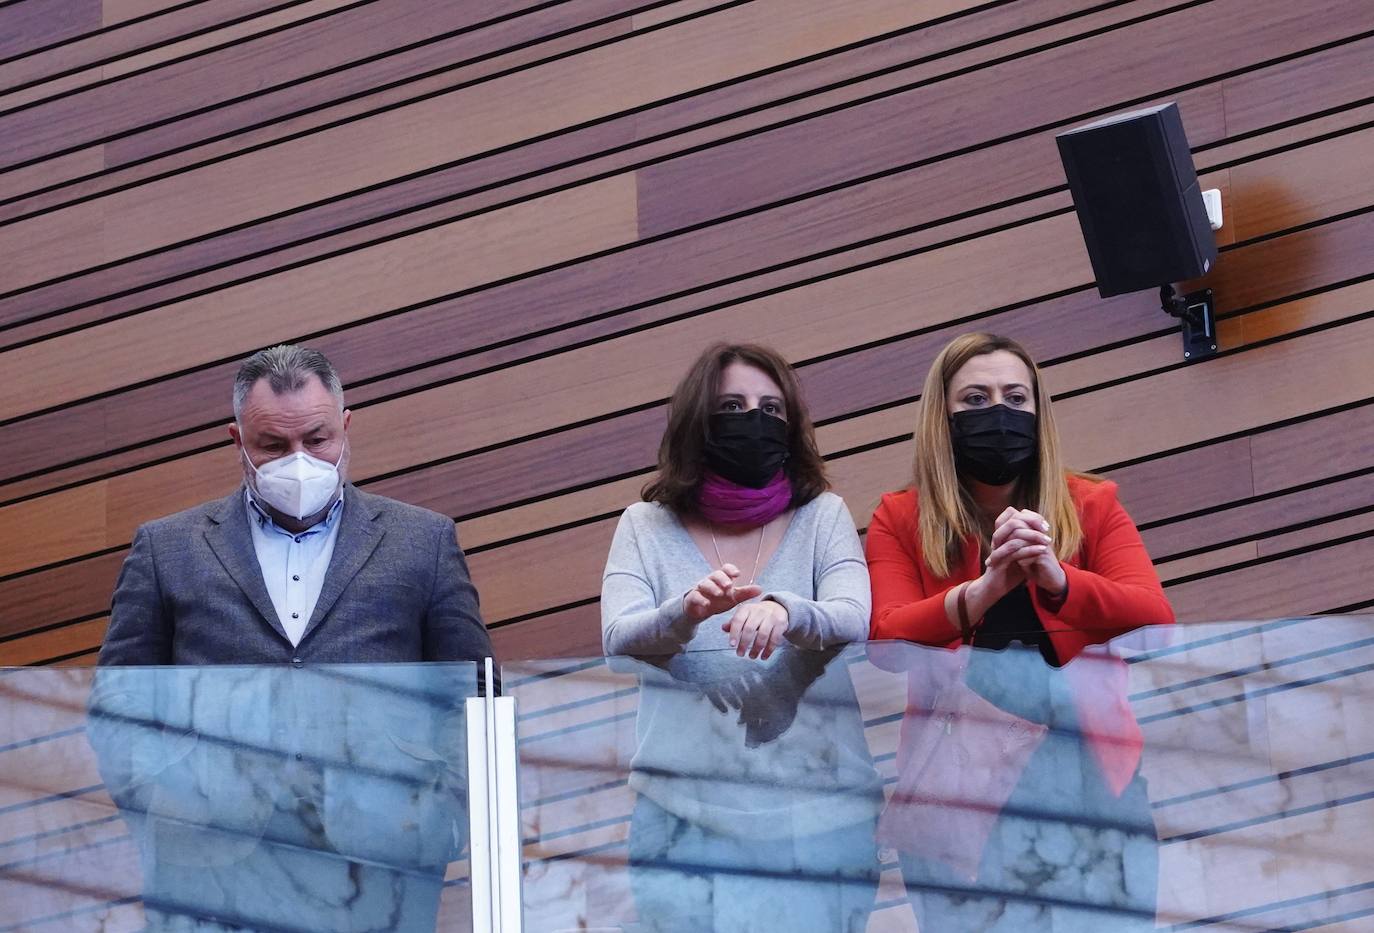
428, 264
448, 127
110, 55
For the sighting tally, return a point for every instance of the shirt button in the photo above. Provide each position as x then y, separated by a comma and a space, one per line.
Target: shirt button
299, 756
295, 615
297, 661
296, 577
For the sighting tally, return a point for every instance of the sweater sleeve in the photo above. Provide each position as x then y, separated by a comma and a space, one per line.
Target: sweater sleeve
632, 621
839, 612
1117, 589
902, 607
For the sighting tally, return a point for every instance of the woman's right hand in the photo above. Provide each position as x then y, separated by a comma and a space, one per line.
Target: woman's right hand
1001, 575
1013, 538
717, 593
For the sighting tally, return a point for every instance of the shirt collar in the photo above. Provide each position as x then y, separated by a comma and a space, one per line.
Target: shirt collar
257, 514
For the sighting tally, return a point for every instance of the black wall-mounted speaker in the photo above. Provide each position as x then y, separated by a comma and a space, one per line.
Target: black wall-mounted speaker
1138, 200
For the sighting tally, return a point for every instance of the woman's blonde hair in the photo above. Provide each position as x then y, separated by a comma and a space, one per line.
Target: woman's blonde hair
948, 515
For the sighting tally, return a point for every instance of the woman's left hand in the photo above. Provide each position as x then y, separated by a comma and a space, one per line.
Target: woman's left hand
1038, 562
757, 628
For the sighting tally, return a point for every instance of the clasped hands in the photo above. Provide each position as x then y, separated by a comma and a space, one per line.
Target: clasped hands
1022, 551
755, 628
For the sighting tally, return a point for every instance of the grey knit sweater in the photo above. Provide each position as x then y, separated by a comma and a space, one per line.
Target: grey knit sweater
765, 749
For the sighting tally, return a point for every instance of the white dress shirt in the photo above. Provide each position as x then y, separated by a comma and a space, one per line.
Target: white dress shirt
293, 565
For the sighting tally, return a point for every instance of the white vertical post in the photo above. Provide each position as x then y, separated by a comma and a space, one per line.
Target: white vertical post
493, 828
506, 861
494, 813
479, 817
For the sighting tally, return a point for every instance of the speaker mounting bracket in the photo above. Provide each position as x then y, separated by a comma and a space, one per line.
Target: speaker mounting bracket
1197, 315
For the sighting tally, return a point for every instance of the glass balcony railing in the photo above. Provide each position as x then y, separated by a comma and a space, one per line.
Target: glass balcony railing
1210, 777
214, 798
1207, 777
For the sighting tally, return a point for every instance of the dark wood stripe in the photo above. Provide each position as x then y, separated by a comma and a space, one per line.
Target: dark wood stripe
167, 91
73, 644
1310, 911
291, 230
76, 591
1223, 525
407, 70
532, 158
1197, 479
558, 299
1307, 582
854, 142
1336, 445
572, 633
117, 40
978, 24
1187, 482
37, 24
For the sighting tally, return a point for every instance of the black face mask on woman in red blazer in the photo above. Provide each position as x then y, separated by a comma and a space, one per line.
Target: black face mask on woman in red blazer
993, 445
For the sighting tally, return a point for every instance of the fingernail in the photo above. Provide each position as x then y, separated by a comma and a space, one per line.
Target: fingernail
732, 643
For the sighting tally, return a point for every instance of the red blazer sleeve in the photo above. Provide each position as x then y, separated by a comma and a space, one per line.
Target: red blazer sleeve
904, 607
1115, 588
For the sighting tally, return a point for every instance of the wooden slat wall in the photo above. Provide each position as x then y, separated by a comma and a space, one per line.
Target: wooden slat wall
511, 224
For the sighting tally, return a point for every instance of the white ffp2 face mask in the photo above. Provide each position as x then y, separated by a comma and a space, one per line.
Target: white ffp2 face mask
297, 484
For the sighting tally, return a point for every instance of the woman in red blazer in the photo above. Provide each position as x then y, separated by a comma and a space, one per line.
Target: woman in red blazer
998, 546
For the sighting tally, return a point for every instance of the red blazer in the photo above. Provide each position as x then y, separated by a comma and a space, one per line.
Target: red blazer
1112, 589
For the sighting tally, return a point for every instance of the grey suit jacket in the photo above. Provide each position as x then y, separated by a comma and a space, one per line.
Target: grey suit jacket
397, 589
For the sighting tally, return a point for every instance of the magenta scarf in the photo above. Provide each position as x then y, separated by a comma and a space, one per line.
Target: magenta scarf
725, 503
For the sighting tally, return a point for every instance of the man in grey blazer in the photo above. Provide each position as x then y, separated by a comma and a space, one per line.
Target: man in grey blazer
297, 565
300, 792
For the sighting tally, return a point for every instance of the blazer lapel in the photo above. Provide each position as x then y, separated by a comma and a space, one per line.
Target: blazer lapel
232, 541
358, 538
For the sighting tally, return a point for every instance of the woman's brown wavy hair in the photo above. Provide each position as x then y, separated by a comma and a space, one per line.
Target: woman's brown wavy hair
682, 453
948, 516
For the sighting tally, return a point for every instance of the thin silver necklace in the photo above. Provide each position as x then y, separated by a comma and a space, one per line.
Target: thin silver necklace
720, 563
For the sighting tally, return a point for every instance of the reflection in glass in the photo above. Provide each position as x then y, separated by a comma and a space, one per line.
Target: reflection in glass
1010, 812
699, 791
322, 798
1258, 750
757, 794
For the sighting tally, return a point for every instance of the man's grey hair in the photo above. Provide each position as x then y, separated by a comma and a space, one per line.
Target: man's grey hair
287, 368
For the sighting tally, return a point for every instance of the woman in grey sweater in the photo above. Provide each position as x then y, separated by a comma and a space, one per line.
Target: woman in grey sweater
735, 584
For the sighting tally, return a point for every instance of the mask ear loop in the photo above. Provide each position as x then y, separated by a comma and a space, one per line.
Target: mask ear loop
344, 456
243, 455
340, 466
252, 484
